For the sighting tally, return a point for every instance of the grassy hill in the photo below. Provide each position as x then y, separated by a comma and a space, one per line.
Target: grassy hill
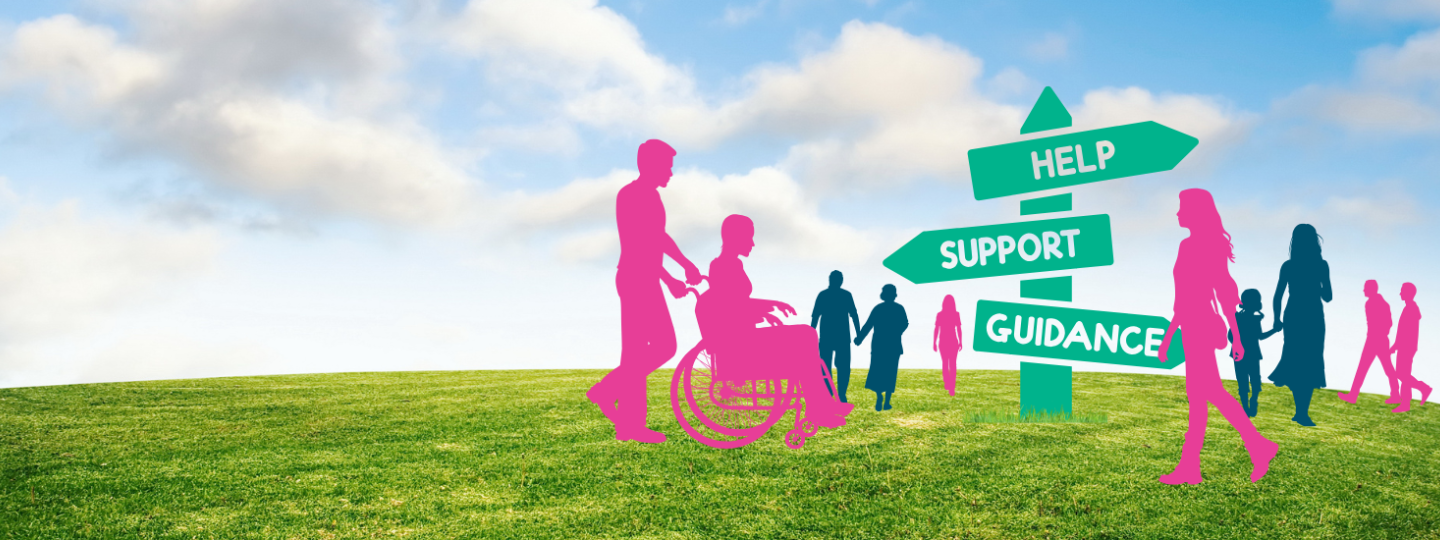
521, 454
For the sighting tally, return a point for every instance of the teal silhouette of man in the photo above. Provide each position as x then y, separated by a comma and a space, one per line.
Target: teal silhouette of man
834, 309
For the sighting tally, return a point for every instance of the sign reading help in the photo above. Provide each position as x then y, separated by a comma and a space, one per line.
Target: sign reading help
1076, 158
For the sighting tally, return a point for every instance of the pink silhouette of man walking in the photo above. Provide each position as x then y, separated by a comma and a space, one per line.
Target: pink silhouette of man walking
1407, 340
1377, 344
1202, 280
647, 336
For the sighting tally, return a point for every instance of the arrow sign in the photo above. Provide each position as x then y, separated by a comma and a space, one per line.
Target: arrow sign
1005, 249
1076, 158
1074, 334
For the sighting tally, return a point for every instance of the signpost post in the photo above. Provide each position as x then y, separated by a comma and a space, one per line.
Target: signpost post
1046, 245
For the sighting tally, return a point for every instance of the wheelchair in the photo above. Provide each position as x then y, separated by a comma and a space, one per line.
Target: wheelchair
728, 402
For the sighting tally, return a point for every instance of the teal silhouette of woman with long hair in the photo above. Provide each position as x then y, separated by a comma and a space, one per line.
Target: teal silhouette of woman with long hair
1302, 360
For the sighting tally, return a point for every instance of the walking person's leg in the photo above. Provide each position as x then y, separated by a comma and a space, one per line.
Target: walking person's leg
1261, 450
1242, 384
1253, 373
1302, 405
649, 342
947, 367
1367, 355
826, 354
633, 342
1187, 471
842, 370
1404, 362
1390, 373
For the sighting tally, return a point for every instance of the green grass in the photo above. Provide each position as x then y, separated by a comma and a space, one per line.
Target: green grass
521, 454
997, 417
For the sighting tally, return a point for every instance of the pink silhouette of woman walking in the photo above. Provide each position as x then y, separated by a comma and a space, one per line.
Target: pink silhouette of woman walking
948, 340
1202, 280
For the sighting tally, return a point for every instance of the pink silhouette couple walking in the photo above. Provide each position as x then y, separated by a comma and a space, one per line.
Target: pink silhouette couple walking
726, 313
1403, 383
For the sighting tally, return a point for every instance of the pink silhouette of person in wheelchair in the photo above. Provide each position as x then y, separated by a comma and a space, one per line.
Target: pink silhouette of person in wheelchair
728, 317
647, 336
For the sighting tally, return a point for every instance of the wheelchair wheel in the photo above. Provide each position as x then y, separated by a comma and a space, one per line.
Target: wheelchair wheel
716, 420
795, 438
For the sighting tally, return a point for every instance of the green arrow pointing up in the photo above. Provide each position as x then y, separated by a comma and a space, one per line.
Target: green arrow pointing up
1076, 158
1048, 113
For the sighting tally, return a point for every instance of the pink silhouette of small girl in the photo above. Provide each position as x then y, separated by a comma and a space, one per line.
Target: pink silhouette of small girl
1203, 291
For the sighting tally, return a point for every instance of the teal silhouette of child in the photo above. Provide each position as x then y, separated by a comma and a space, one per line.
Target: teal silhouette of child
1247, 369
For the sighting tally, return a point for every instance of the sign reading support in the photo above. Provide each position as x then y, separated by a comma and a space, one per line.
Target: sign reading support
1005, 249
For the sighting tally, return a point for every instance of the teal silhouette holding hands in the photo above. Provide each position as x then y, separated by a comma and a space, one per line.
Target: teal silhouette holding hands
889, 323
1247, 367
833, 313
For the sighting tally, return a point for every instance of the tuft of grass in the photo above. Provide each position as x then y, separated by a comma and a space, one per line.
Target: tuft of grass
523, 454
996, 417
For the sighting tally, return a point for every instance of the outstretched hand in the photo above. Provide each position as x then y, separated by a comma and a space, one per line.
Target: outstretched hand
784, 308
677, 288
773, 320
858, 339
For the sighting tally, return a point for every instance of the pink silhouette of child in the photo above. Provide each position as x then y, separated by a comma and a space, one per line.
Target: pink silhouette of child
728, 317
1377, 344
1202, 280
948, 340
647, 336
1407, 340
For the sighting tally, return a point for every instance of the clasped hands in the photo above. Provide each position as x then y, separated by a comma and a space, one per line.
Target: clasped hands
677, 287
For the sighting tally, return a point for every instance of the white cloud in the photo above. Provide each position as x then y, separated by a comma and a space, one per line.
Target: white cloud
1394, 90
61, 271
1218, 125
738, 15
1369, 111
1050, 47
696, 202
1416, 62
1390, 9
212, 85
538, 41
878, 107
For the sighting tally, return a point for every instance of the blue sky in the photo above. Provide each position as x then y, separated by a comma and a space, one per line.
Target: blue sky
231, 187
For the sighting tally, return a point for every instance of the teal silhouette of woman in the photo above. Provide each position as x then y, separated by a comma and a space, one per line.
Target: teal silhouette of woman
889, 322
1302, 360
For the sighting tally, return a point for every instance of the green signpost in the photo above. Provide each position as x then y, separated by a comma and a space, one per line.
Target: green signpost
1046, 245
